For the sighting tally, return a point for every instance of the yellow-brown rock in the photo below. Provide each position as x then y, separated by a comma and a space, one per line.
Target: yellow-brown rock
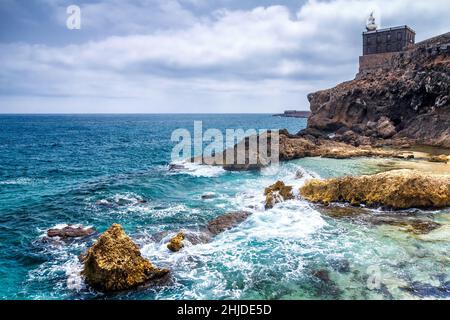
442, 158
398, 189
176, 243
115, 263
276, 193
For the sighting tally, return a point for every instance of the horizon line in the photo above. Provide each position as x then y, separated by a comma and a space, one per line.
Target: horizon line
134, 113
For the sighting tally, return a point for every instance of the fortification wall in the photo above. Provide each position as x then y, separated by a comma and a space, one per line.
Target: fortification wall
388, 61
376, 62
440, 40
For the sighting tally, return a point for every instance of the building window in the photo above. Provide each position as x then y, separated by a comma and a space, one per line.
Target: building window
399, 36
368, 40
399, 47
388, 37
388, 48
379, 39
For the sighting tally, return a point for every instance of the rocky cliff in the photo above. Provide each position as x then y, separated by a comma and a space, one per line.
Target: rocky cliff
402, 95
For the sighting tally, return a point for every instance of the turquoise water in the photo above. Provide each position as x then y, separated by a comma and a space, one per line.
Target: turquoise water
96, 170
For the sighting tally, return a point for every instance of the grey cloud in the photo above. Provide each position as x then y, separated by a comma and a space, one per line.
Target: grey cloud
208, 57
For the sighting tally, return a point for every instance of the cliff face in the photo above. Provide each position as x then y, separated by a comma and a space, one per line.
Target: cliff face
406, 95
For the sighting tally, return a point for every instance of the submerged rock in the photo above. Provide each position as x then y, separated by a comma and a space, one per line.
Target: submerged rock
342, 211
208, 195
341, 265
424, 290
70, 231
362, 215
115, 263
299, 174
276, 193
197, 237
176, 243
398, 189
227, 221
325, 286
322, 274
442, 158
441, 234
415, 226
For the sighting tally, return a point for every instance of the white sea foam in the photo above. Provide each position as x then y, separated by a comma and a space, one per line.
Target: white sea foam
198, 170
62, 260
251, 194
128, 197
59, 226
18, 181
280, 231
73, 270
118, 200
158, 212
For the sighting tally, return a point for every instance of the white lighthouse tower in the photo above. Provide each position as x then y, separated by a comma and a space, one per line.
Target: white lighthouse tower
371, 24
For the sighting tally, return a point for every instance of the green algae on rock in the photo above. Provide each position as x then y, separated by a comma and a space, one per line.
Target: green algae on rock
398, 189
115, 263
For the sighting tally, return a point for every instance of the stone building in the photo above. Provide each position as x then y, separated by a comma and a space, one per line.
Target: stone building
388, 40
377, 41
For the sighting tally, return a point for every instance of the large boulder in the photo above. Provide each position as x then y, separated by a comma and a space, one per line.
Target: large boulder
385, 128
115, 263
398, 189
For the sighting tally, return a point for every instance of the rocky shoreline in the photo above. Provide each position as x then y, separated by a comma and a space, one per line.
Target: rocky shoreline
380, 114
407, 99
114, 262
397, 189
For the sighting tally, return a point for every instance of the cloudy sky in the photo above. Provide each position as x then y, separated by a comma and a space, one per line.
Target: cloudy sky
188, 55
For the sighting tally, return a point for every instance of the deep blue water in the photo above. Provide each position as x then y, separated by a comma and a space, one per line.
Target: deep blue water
95, 170
54, 168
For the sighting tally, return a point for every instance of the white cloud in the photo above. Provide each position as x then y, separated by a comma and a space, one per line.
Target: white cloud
263, 59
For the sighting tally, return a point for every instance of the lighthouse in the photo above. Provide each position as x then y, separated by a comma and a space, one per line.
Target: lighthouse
371, 23
377, 41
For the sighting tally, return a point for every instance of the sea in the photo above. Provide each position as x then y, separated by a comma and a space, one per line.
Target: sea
96, 170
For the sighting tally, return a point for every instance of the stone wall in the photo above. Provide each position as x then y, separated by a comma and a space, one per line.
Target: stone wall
388, 61
374, 62
435, 41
